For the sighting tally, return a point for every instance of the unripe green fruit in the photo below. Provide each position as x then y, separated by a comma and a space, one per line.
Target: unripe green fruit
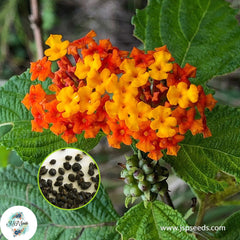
124, 173
153, 197
162, 171
141, 162
144, 186
135, 191
132, 162
164, 187
156, 188
126, 190
152, 178
147, 168
129, 179
138, 174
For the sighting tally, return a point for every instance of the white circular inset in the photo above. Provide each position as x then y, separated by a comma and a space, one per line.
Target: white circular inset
18, 223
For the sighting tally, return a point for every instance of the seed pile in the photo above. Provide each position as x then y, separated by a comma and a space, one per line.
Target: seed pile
144, 178
69, 178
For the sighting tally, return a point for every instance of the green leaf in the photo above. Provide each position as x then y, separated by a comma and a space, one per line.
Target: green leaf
4, 155
15, 124
202, 33
157, 221
230, 228
200, 159
95, 221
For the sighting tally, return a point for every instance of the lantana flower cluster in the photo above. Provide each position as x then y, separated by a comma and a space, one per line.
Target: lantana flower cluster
128, 95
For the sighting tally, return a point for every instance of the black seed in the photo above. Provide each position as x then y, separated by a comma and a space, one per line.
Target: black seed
88, 195
76, 167
52, 200
74, 190
54, 192
93, 194
43, 183
80, 180
96, 186
85, 185
52, 162
68, 157
67, 165
78, 157
95, 179
90, 172
49, 182
63, 149
84, 153
72, 195
79, 175
43, 170
58, 183
60, 189
59, 178
63, 199
46, 194
68, 186
52, 172
71, 177
61, 171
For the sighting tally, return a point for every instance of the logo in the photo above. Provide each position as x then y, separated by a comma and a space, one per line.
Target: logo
18, 223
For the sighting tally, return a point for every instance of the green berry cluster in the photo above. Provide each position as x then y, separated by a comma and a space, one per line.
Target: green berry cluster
144, 178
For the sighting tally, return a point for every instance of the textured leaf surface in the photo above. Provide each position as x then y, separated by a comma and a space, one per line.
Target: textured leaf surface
148, 223
15, 124
19, 187
199, 159
203, 33
232, 229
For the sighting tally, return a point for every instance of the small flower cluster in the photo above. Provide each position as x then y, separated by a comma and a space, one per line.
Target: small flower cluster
126, 95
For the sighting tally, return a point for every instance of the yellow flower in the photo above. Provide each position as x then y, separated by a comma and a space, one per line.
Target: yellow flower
182, 95
68, 102
163, 122
89, 100
136, 113
161, 65
57, 48
102, 81
90, 63
136, 75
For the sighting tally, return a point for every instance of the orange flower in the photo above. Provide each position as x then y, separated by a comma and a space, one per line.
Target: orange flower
36, 95
41, 69
39, 118
181, 74
120, 134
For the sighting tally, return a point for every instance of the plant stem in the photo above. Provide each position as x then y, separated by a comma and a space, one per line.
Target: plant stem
201, 213
35, 19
